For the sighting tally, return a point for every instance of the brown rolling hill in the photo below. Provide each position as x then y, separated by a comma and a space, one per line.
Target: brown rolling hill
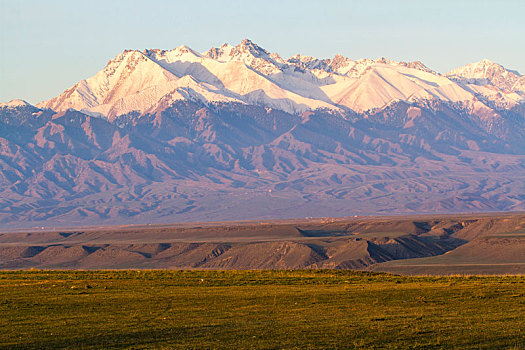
422, 245
494, 245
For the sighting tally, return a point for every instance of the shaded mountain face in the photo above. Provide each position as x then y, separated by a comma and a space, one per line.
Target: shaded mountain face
238, 132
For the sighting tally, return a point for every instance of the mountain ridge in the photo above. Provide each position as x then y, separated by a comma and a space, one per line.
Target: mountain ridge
293, 85
239, 133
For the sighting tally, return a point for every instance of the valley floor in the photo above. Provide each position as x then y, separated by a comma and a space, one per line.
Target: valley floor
258, 309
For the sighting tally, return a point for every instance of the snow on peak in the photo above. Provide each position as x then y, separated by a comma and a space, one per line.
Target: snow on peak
481, 69
15, 104
247, 73
182, 52
185, 50
308, 62
247, 46
341, 64
487, 72
217, 53
178, 51
245, 49
417, 65
338, 65
486, 61
249, 53
130, 73
345, 66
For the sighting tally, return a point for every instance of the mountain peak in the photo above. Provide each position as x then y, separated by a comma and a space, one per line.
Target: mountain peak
15, 103
339, 63
220, 52
125, 56
184, 49
486, 61
487, 72
136, 81
246, 41
486, 64
248, 46
483, 67
248, 53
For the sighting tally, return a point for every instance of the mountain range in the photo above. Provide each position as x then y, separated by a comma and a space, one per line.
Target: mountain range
238, 132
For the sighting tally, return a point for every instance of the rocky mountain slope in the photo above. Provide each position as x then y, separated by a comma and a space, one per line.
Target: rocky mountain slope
238, 132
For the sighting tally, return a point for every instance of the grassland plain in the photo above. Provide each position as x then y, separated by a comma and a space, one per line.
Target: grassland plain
258, 309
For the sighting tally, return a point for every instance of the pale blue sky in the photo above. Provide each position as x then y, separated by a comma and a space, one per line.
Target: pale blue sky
47, 46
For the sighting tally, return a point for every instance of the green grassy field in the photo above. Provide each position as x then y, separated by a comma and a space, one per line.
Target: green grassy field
258, 309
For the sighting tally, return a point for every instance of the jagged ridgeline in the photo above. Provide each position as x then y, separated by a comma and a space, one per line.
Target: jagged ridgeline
238, 132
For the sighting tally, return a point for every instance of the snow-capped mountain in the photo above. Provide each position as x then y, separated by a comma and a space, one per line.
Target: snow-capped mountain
238, 132
486, 72
492, 83
246, 73
14, 104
